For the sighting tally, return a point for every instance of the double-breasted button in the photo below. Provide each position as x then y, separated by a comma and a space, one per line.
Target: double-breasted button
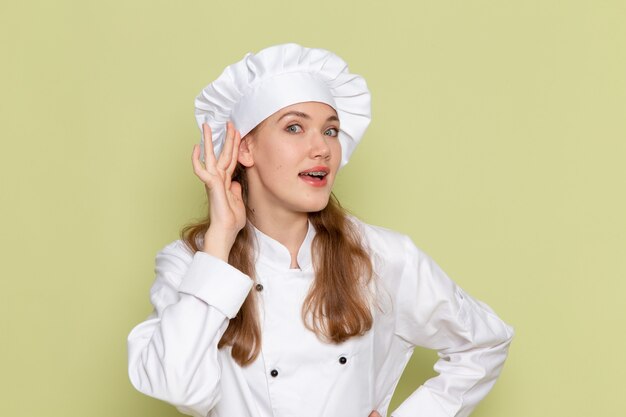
259, 287
274, 373
343, 360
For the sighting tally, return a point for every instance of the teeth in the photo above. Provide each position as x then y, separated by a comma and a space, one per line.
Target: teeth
315, 173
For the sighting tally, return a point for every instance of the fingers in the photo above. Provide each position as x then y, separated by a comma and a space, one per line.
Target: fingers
232, 163
235, 156
235, 189
227, 150
198, 169
209, 154
225, 165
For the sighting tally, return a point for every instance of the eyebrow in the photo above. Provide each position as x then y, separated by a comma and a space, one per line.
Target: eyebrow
305, 116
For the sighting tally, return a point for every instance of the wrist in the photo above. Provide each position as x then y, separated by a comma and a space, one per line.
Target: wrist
218, 243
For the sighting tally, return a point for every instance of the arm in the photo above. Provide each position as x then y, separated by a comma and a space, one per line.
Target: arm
471, 341
173, 355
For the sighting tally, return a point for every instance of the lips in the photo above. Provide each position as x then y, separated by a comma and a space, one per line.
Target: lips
315, 176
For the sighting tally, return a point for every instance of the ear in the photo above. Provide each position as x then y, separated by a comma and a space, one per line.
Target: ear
245, 156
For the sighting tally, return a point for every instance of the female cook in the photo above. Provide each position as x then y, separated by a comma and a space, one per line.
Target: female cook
281, 304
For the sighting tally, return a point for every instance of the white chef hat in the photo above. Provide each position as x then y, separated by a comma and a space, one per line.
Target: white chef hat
250, 90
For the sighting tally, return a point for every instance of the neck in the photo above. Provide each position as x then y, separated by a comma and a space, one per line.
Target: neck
287, 228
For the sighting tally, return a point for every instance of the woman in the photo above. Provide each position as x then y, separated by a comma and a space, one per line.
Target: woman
281, 304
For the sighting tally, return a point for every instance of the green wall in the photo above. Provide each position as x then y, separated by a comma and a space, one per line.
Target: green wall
498, 142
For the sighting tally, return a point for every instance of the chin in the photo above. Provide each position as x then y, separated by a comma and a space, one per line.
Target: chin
314, 205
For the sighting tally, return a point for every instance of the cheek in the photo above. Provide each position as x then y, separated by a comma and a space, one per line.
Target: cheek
275, 164
285, 157
336, 150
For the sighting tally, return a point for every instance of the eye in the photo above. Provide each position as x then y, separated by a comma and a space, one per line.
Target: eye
336, 132
294, 128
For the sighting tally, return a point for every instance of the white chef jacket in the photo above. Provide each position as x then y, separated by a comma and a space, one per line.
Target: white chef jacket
173, 355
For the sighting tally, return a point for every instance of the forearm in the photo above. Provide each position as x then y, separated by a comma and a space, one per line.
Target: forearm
471, 340
174, 358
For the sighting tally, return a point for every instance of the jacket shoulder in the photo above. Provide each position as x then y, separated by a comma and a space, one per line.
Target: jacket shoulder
382, 241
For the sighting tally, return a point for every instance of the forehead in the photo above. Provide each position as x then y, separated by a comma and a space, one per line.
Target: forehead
307, 109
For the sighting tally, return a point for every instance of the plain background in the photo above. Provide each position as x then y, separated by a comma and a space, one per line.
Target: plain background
497, 143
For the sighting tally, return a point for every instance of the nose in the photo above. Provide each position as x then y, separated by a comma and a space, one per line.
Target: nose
319, 146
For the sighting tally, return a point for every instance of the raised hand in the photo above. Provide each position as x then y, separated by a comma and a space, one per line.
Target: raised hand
227, 210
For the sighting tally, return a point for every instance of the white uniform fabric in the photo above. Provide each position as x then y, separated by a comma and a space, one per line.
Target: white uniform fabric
173, 355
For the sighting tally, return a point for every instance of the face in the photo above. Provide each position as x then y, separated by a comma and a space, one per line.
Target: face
292, 158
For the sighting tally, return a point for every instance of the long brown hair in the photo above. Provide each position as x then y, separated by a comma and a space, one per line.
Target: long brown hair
336, 307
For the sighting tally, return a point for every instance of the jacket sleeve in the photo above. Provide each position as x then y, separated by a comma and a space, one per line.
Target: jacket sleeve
173, 355
471, 341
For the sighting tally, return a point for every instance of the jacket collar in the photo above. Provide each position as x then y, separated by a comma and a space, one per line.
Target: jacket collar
275, 254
